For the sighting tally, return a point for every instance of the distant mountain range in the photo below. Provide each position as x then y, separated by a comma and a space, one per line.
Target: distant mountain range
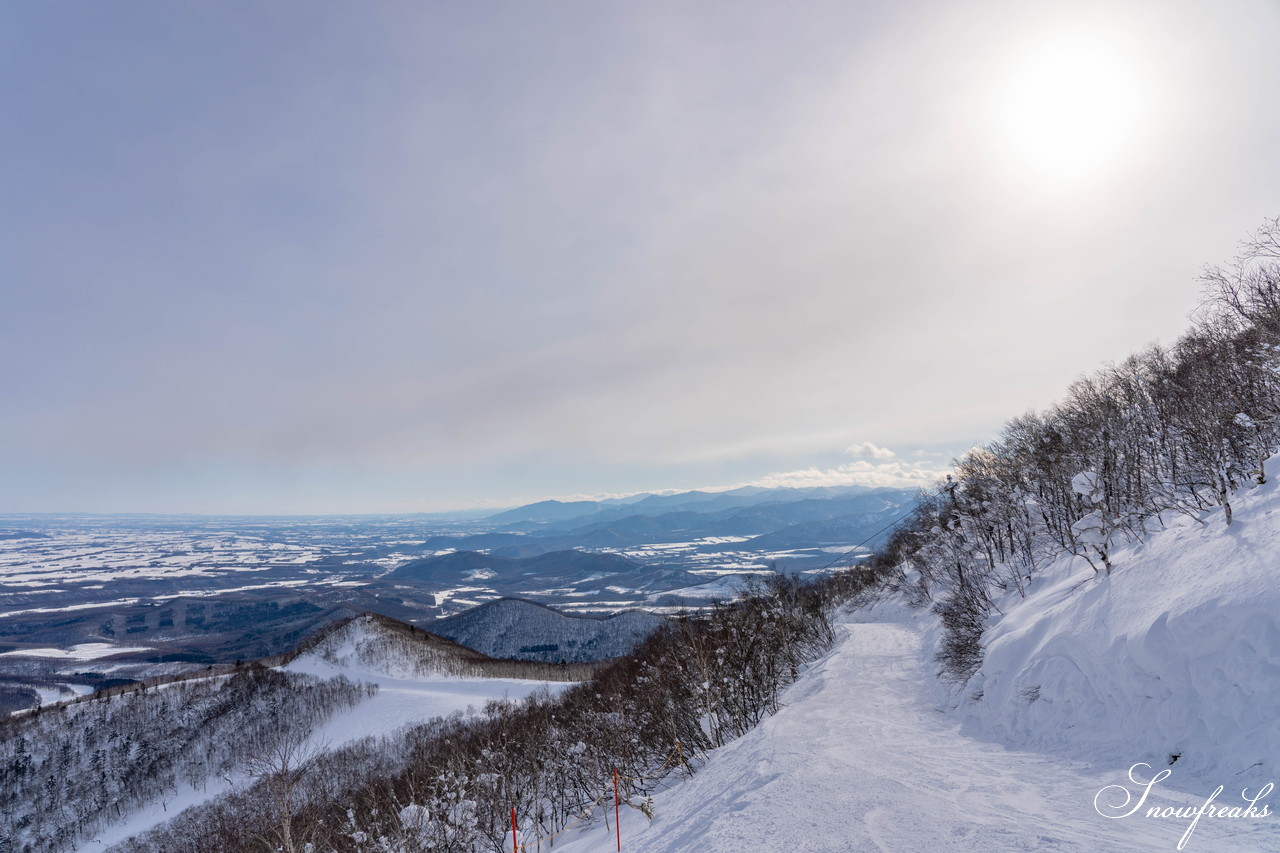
571, 516
688, 516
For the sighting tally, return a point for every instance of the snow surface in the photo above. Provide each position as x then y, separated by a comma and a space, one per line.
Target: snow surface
404, 701
861, 759
80, 651
411, 687
1176, 653
157, 812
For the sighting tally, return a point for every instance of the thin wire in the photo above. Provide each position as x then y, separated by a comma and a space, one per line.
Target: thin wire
852, 550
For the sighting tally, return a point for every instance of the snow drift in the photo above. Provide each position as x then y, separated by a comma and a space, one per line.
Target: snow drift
1174, 658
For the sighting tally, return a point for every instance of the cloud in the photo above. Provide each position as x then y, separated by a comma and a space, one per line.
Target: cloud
575, 248
867, 450
897, 474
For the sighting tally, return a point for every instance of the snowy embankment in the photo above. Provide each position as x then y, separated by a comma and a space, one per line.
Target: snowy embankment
861, 759
1177, 653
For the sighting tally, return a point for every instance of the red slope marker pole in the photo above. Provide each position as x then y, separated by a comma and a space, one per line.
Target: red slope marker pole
616, 825
514, 848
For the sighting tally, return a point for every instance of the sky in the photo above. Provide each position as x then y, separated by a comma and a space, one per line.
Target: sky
320, 257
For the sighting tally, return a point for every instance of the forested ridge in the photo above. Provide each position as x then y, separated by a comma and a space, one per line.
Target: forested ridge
1176, 428
68, 770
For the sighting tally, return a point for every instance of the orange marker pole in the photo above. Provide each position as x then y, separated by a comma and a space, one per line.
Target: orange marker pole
514, 848
616, 825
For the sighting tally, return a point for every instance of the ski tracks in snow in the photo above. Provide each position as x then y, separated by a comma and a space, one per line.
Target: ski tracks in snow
859, 760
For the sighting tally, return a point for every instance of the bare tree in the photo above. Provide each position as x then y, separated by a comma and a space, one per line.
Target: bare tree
277, 767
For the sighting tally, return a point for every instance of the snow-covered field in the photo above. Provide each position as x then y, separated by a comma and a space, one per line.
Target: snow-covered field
862, 759
99, 555
80, 651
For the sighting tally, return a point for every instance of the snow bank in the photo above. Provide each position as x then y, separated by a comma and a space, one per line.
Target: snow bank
1177, 653
859, 759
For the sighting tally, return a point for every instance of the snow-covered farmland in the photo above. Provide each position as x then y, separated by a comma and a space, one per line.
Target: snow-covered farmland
80, 651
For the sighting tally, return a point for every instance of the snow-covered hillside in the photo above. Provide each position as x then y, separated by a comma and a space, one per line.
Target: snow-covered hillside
1177, 653
1089, 679
862, 759
417, 677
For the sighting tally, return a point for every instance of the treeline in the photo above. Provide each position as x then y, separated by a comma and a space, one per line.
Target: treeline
451, 784
1170, 429
67, 771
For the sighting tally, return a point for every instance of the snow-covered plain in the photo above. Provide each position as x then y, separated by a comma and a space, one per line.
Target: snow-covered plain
862, 759
80, 651
98, 555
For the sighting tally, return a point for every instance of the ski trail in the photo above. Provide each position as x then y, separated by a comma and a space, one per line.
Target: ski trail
860, 761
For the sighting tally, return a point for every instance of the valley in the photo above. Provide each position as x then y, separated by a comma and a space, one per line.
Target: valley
93, 601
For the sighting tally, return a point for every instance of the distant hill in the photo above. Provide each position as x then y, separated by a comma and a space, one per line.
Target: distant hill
524, 630
372, 647
753, 520
371, 642
575, 573
673, 518
547, 516
544, 511
457, 566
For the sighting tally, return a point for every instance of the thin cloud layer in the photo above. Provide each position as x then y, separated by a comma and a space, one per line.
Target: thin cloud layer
291, 259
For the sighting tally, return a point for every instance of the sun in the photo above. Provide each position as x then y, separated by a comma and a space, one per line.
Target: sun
1070, 108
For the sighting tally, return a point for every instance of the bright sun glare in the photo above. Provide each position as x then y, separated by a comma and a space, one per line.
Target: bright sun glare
1071, 108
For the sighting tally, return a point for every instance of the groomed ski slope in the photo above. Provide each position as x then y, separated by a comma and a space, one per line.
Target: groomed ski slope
860, 759
408, 693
